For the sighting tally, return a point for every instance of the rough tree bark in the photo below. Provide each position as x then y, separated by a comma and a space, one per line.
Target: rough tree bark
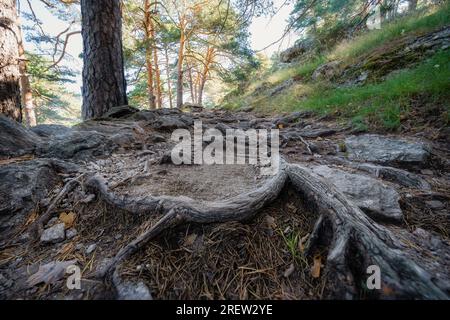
208, 60
148, 26
9, 61
169, 82
27, 93
156, 63
104, 83
180, 64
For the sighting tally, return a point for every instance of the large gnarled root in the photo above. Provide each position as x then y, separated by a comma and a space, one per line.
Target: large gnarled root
182, 210
356, 242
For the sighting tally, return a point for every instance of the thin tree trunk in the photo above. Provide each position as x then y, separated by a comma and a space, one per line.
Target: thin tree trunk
208, 60
148, 24
9, 61
104, 84
157, 78
180, 66
191, 84
412, 5
156, 64
27, 93
169, 83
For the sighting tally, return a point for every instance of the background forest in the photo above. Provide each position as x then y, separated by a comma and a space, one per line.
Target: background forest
199, 52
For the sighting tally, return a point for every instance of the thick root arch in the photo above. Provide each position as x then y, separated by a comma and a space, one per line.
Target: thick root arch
352, 239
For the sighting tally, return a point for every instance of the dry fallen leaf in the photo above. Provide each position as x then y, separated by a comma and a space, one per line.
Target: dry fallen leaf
280, 126
190, 239
68, 219
302, 242
315, 270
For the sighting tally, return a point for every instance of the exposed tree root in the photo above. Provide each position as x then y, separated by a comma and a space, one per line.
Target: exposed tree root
186, 210
356, 242
353, 240
37, 227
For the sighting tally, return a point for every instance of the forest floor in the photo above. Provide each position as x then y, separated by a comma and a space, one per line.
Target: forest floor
342, 201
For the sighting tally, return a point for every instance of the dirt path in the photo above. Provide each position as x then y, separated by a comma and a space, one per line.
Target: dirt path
140, 227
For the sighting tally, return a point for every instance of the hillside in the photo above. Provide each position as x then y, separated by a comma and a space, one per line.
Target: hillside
390, 79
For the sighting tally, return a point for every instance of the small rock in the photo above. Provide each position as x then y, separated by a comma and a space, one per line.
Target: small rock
435, 204
421, 233
91, 248
427, 172
133, 291
53, 234
369, 194
50, 272
71, 233
270, 222
118, 236
383, 149
435, 243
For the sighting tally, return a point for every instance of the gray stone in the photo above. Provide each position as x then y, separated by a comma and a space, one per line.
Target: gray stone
421, 233
91, 248
367, 193
78, 145
50, 272
71, 233
54, 234
127, 290
398, 176
435, 204
15, 139
299, 50
327, 71
50, 130
386, 150
123, 139
24, 184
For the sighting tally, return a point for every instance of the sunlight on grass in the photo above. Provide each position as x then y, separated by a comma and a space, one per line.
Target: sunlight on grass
421, 22
385, 102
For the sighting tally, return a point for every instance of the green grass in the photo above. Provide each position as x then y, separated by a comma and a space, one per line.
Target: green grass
385, 102
381, 104
418, 23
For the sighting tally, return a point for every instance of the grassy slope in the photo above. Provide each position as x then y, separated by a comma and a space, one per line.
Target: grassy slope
382, 104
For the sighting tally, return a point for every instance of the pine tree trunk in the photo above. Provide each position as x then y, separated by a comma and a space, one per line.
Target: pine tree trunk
180, 69
191, 84
104, 83
156, 64
169, 83
9, 61
25, 85
157, 78
208, 60
148, 25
